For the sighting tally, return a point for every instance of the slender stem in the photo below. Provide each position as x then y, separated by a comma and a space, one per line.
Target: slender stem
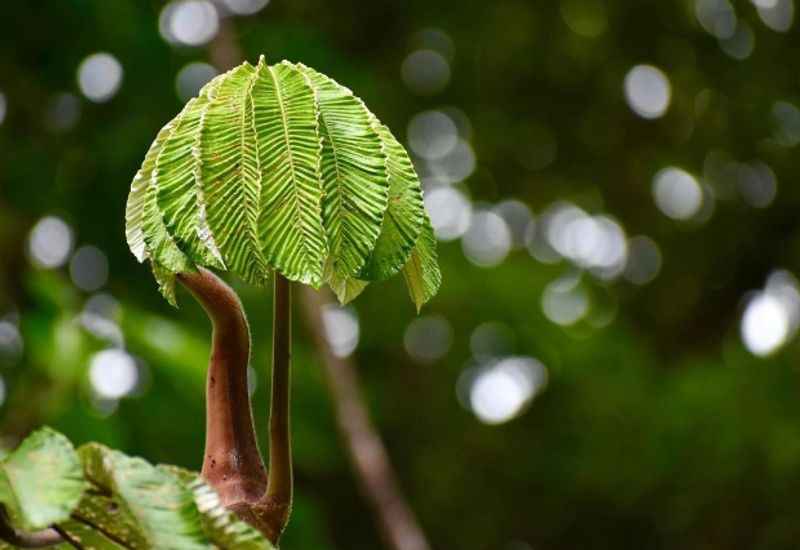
22, 539
232, 462
368, 455
278, 498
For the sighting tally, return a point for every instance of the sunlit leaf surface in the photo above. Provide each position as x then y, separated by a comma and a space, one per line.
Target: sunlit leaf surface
279, 167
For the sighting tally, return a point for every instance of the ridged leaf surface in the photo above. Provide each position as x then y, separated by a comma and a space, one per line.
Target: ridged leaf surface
41, 482
404, 216
231, 175
289, 147
98, 498
354, 175
279, 167
177, 181
421, 273
134, 211
162, 510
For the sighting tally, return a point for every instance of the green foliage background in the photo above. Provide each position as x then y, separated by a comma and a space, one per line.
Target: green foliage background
658, 431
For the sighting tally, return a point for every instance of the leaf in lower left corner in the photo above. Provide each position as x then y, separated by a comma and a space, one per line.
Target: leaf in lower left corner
42, 481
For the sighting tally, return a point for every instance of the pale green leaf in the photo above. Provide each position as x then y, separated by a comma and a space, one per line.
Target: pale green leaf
346, 289
88, 536
134, 211
421, 273
41, 482
404, 216
162, 509
289, 147
354, 175
159, 244
166, 282
280, 167
177, 181
231, 175
221, 526
102, 520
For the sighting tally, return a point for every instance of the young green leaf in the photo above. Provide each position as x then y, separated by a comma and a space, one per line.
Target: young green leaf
165, 278
159, 244
346, 289
231, 174
220, 525
404, 216
179, 193
354, 175
101, 517
421, 273
41, 482
289, 148
280, 167
163, 509
87, 535
134, 211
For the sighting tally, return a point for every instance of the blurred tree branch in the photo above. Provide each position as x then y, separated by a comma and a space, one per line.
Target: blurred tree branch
367, 453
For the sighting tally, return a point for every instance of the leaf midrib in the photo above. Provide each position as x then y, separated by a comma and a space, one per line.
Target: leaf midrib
251, 232
296, 215
339, 184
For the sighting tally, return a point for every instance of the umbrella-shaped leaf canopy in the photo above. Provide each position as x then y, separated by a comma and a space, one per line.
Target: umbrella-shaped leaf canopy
279, 167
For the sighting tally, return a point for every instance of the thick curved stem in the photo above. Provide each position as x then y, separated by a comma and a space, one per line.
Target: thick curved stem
232, 463
277, 501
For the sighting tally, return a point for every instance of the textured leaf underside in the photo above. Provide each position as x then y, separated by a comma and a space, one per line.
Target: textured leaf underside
41, 481
421, 273
290, 221
354, 175
405, 215
102, 499
231, 179
279, 167
179, 192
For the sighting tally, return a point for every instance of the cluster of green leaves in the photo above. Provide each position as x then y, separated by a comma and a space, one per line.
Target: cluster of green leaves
100, 498
279, 167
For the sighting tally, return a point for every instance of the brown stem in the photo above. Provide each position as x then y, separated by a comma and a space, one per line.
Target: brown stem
225, 52
232, 463
22, 539
277, 501
367, 453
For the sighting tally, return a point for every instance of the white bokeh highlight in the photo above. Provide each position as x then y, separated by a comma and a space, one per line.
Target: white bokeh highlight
717, 17
564, 301
778, 15
342, 329
648, 91
88, 268
50, 242
113, 373
432, 134
501, 390
772, 315
245, 7
426, 72
450, 212
189, 22
192, 77
677, 193
428, 339
488, 240
100, 77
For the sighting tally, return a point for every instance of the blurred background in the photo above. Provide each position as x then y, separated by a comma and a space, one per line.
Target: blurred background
612, 359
